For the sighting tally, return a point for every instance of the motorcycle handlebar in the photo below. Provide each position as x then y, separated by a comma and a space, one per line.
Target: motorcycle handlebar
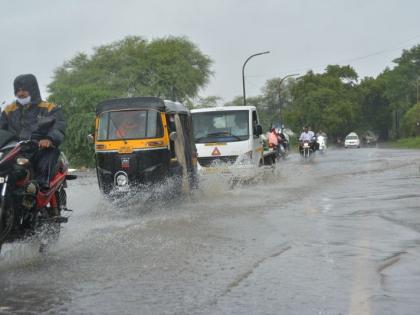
35, 142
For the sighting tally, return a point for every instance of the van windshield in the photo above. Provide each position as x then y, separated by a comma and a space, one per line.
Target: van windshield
130, 124
221, 126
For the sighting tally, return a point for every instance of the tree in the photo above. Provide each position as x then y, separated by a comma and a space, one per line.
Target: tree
326, 101
204, 102
375, 107
401, 84
170, 68
411, 122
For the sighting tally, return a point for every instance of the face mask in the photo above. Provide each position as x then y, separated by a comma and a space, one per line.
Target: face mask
24, 101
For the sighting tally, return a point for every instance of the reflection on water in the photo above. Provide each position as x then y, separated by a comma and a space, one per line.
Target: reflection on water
337, 235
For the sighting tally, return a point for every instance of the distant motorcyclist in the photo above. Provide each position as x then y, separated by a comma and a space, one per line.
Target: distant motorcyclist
314, 143
272, 137
283, 141
306, 136
273, 141
22, 118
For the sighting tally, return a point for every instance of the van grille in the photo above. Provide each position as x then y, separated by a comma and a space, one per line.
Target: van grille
210, 161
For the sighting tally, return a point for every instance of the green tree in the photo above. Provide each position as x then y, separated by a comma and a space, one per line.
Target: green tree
401, 84
170, 68
326, 101
375, 107
411, 122
204, 102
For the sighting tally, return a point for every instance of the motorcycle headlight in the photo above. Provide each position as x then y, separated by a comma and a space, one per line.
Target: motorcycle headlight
1, 155
22, 161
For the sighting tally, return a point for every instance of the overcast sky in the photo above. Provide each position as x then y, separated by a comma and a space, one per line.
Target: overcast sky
37, 36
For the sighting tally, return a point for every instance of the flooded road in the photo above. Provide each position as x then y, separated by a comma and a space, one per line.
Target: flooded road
339, 235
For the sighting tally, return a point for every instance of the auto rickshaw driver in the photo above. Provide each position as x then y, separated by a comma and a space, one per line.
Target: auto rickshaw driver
127, 125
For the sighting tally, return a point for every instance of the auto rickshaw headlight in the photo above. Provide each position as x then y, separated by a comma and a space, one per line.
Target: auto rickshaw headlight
122, 180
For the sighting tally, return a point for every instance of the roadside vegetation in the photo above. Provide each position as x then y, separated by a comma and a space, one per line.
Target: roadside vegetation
336, 101
406, 143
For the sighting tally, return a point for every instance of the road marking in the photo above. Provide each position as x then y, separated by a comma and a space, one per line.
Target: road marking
360, 293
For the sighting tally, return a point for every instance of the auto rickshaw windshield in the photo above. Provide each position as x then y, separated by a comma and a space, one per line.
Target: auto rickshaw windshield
130, 124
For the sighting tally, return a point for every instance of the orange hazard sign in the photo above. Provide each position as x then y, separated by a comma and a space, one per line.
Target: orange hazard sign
215, 151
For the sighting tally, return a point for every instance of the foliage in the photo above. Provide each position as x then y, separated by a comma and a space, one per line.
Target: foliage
407, 143
327, 102
170, 68
336, 102
204, 102
401, 84
411, 122
375, 107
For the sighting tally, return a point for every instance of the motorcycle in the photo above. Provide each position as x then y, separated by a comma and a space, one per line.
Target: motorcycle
306, 149
283, 147
25, 210
322, 143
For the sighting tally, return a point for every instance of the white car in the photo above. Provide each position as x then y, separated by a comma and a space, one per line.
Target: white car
352, 140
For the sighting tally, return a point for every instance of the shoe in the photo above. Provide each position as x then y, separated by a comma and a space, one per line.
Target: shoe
44, 187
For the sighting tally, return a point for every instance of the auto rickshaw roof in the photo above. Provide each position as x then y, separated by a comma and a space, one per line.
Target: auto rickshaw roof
135, 103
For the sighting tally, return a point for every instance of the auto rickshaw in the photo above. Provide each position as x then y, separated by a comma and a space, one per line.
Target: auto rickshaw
143, 140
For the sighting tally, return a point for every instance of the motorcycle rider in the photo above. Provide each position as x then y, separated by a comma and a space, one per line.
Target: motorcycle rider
306, 135
22, 118
314, 143
273, 141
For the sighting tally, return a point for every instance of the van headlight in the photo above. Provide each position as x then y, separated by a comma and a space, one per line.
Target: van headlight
122, 180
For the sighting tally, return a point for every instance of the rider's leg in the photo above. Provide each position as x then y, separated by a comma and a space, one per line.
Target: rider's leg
45, 163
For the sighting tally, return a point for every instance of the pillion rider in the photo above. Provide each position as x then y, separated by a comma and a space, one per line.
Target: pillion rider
22, 118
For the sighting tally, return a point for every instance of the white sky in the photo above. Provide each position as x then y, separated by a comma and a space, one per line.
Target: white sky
37, 36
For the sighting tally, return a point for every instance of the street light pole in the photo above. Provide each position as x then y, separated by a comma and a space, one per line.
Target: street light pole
243, 72
279, 89
284, 78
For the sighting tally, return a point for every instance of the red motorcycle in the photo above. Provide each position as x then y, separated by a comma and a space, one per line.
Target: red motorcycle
25, 210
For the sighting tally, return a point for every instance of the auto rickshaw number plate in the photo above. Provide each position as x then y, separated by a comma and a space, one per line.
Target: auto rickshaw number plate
125, 149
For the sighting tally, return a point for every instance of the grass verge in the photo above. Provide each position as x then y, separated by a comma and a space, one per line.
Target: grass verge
406, 143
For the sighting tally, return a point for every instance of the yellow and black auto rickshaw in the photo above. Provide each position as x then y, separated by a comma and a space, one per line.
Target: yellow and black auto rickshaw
143, 140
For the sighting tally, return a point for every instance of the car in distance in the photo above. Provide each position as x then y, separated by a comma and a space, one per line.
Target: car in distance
352, 140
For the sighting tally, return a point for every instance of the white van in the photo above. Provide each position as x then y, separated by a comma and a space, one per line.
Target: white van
230, 134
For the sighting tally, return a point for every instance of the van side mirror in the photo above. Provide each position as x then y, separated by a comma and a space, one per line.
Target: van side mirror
259, 131
90, 138
173, 135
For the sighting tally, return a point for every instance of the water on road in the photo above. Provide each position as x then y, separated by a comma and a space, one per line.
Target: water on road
338, 235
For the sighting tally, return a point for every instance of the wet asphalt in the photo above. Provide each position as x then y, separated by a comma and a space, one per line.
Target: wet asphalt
337, 235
